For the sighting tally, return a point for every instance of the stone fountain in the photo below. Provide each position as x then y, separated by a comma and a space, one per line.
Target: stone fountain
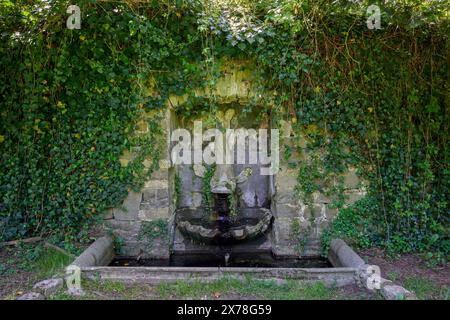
227, 222
224, 224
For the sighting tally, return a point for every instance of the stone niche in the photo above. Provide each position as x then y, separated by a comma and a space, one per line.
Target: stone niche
181, 186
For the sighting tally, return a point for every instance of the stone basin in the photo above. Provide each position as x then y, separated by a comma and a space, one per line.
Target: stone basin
202, 225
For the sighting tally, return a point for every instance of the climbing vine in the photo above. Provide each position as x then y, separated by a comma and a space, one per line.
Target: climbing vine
374, 100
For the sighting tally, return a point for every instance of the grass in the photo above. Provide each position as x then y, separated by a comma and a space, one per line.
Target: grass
427, 289
22, 266
225, 287
264, 289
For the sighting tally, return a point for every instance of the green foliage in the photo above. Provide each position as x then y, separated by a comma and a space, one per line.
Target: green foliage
42, 261
299, 236
376, 100
152, 230
177, 190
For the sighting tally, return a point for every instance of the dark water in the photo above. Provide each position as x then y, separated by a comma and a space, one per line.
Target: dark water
247, 260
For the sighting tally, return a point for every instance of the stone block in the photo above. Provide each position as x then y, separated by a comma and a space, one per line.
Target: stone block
162, 193
285, 197
154, 204
158, 249
127, 230
126, 157
161, 174
283, 244
321, 198
164, 164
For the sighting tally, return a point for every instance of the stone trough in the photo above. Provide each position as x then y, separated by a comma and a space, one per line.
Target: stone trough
347, 268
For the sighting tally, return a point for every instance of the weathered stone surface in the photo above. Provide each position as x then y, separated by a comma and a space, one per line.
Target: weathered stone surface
127, 230
158, 249
334, 277
100, 253
123, 225
153, 214
108, 214
148, 195
282, 240
162, 193
287, 210
49, 286
341, 255
234, 83
157, 184
255, 188
351, 180
311, 247
197, 199
353, 196
131, 206
161, 174
285, 197
286, 180
32, 296
126, 157
186, 176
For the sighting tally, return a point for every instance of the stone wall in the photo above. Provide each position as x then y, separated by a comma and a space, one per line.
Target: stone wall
157, 199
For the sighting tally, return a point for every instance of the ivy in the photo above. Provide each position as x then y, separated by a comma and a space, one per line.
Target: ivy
152, 230
374, 100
